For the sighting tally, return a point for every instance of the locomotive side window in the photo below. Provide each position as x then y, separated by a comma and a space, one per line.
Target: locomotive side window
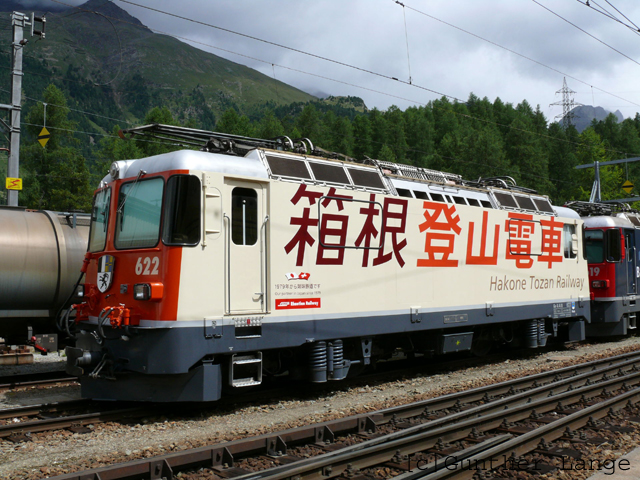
403, 192
182, 211
244, 216
594, 245
568, 231
614, 251
99, 220
138, 215
436, 197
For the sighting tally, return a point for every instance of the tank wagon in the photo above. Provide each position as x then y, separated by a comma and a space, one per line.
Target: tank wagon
612, 248
41, 254
249, 259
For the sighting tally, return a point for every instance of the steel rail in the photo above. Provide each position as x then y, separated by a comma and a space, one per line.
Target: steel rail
527, 442
58, 423
12, 385
383, 448
502, 404
34, 410
557, 377
373, 452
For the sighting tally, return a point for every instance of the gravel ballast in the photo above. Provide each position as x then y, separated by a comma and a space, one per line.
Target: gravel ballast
63, 452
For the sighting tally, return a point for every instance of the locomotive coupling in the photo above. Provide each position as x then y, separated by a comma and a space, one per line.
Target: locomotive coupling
79, 360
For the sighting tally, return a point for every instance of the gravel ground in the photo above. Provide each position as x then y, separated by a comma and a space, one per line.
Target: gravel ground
63, 452
41, 363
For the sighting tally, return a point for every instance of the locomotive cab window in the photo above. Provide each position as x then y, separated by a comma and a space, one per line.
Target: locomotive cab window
614, 246
181, 224
244, 216
99, 220
139, 212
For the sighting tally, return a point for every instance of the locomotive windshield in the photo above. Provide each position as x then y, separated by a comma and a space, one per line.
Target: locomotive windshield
139, 212
99, 220
594, 244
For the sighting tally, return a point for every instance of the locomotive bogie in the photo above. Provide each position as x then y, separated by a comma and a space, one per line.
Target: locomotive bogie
221, 271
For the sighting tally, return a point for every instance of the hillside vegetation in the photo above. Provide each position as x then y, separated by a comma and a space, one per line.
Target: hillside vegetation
95, 82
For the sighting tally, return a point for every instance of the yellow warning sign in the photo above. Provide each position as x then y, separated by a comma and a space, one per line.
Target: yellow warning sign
43, 138
14, 183
627, 186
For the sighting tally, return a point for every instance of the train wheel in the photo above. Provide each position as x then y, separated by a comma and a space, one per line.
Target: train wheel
481, 343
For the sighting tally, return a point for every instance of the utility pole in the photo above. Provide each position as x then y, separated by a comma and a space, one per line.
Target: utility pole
567, 104
18, 22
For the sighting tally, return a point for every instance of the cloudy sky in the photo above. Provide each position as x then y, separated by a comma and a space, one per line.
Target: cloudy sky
512, 49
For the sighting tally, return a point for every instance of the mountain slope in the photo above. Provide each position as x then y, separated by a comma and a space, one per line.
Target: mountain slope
100, 47
585, 114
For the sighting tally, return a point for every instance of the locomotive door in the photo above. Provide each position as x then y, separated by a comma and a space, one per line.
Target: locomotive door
245, 239
632, 266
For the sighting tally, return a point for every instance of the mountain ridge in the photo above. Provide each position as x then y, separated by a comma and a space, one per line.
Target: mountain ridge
100, 46
583, 115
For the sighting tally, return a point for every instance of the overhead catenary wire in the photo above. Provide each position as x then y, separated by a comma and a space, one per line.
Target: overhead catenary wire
586, 33
341, 63
627, 18
406, 36
73, 109
349, 65
409, 150
347, 83
328, 59
491, 42
604, 12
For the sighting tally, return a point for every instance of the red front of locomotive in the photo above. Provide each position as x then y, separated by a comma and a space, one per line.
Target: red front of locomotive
133, 264
605, 255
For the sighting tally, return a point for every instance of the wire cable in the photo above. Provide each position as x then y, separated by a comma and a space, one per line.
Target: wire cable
73, 109
406, 35
604, 12
519, 54
351, 66
586, 33
627, 18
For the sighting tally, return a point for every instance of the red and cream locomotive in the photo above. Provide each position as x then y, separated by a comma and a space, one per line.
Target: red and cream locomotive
612, 249
254, 258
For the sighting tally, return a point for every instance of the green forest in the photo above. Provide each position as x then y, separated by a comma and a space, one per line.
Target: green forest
478, 138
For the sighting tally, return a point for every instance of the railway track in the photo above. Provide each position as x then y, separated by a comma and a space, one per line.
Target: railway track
17, 424
42, 379
523, 424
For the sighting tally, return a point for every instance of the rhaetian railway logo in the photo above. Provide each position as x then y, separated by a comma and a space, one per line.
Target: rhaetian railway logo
105, 272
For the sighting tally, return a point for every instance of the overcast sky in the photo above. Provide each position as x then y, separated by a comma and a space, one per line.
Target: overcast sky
370, 35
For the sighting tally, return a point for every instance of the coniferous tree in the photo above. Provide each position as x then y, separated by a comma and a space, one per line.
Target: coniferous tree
56, 176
